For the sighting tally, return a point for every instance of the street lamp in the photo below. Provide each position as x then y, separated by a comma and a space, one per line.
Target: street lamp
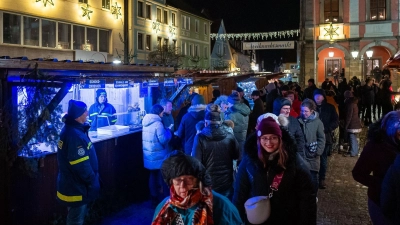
331, 54
369, 53
354, 54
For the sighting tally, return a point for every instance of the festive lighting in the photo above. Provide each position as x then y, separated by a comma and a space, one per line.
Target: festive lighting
354, 54
331, 54
45, 2
255, 36
331, 31
115, 10
369, 53
156, 26
86, 11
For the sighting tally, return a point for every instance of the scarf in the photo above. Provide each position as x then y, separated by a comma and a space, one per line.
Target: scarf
203, 213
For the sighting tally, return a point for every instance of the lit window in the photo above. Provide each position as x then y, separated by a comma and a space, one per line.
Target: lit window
378, 9
331, 11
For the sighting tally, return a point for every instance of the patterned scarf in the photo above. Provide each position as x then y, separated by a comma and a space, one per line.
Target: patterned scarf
203, 213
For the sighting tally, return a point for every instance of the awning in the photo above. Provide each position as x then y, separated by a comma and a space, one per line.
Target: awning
393, 62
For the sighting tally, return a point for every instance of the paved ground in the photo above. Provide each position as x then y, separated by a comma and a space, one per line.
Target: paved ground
344, 202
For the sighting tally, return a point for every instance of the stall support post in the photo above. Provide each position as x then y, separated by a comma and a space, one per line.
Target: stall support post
126, 32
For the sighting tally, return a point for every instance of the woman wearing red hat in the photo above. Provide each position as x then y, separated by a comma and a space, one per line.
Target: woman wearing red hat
270, 162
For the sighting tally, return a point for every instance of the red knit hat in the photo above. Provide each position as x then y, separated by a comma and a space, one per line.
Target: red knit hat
268, 126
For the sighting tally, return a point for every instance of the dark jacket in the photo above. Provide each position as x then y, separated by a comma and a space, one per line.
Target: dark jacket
258, 110
216, 149
239, 114
367, 95
352, 120
309, 92
390, 195
99, 113
245, 101
187, 128
269, 104
78, 179
167, 120
375, 159
294, 202
329, 117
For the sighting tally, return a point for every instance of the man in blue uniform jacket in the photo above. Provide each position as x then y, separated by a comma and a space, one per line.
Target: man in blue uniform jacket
101, 111
78, 180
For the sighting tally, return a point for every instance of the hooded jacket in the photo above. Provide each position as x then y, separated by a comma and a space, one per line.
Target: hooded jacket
239, 114
101, 111
187, 128
216, 149
78, 179
155, 140
313, 130
294, 202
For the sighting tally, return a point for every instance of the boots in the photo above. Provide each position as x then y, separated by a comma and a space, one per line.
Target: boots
322, 184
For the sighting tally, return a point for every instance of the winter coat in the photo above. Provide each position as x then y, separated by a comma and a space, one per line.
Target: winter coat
367, 95
296, 104
187, 128
269, 104
245, 101
78, 178
258, 110
390, 194
375, 159
224, 212
155, 141
313, 130
309, 92
95, 111
239, 114
216, 149
167, 120
295, 130
352, 121
329, 117
294, 202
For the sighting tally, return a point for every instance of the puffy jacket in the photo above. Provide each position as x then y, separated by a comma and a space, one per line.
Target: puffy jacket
155, 141
78, 179
239, 114
216, 149
313, 130
294, 202
187, 128
96, 110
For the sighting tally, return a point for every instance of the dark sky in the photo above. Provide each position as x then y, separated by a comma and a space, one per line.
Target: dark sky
242, 16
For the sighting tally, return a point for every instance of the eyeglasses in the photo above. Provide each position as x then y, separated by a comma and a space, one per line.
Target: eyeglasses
186, 180
273, 139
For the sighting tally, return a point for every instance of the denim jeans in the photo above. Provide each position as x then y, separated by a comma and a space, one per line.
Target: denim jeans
158, 189
353, 144
324, 162
315, 181
76, 215
376, 214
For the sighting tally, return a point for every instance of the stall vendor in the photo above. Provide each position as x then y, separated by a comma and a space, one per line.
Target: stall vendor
101, 113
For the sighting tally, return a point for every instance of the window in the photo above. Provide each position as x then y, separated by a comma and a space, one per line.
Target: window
83, 1
91, 38
104, 40
148, 12
205, 29
148, 42
64, 36
105, 4
370, 64
183, 48
190, 49
165, 17
378, 9
11, 28
186, 22
78, 37
196, 26
140, 9
48, 33
158, 15
330, 66
331, 11
140, 41
196, 50
173, 19
159, 39
31, 31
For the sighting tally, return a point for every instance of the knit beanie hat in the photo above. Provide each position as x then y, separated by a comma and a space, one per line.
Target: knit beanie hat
101, 92
198, 100
156, 109
268, 126
255, 93
76, 108
279, 103
348, 94
234, 98
178, 164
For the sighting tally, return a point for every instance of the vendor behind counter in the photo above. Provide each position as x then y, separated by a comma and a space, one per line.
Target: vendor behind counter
101, 113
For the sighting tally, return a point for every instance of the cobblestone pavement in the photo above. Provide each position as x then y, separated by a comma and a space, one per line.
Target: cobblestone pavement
343, 202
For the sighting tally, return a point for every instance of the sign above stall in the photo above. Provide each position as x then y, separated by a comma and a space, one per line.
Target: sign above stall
121, 83
153, 83
92, 84
185, 80
169, 82
268, 45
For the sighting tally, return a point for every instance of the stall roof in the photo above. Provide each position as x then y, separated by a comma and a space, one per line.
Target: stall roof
393, 62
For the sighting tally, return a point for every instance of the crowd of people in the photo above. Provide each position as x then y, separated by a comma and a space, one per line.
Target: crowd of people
212, 159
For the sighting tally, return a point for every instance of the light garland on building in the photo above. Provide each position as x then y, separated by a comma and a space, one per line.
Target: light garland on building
46, 1
86, 11
116, 10
255, 36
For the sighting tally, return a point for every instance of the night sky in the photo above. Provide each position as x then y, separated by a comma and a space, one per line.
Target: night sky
242, 16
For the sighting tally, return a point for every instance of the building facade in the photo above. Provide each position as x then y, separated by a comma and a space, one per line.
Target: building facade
339, 34
170, 32
85, 30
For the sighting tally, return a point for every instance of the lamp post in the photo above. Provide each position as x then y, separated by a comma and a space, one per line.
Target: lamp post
369, 53
331, 54
354, 54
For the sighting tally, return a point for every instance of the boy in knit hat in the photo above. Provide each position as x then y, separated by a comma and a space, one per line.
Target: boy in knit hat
101, 113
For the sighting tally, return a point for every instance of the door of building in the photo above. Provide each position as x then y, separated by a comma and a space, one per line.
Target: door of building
330, 66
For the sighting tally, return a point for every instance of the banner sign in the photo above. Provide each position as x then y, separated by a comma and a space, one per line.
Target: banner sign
121, 83
169, 82
89, 84
268, 45
185, 80
153, 83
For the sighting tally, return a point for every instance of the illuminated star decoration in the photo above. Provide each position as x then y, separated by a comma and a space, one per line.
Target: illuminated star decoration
156, 26
172, 30
331, 31
45, 2
86, 11
116, 11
